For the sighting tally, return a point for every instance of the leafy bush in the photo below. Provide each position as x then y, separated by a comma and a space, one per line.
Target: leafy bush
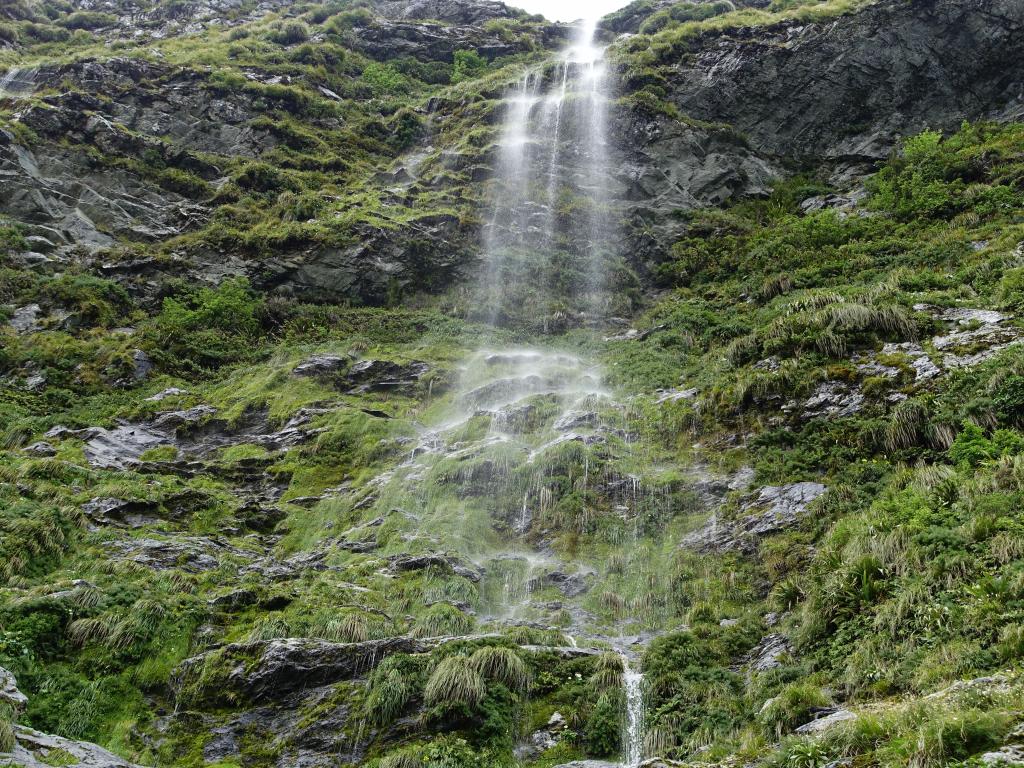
603, 730
205, 327
384, 79
467, 65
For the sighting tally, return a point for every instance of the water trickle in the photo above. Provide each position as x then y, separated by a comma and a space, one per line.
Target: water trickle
633, 737
17, 82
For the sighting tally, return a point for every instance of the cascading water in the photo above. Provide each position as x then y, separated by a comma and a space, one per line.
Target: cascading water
633, 736
506, 468
17, 82
548, 235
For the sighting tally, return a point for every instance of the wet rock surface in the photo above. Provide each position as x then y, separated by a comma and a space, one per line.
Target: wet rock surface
277, 668
380, 375
773, 508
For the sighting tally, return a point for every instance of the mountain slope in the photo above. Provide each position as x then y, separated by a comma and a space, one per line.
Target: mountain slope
267, 498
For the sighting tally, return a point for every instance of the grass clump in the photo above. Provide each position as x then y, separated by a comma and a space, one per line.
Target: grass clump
502, 665
455, 683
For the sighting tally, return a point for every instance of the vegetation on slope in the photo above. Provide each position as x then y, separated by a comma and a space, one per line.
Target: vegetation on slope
905, 578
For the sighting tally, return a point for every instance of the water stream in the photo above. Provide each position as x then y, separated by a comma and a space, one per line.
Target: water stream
551, 207
505, 470
17, 82
633, 736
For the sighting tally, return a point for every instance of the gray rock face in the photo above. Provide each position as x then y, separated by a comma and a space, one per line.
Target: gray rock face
833, 399
281, 667
193, 554
404, 563
1010, 755
451, 11
768, 652
321, 365
195, 432
826, 722
9, 692
74, 204
892, 70
31, 744
26, 319
429, 42
774, 508
663, 166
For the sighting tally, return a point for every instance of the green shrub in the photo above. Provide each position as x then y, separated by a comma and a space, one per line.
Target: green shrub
89, 20
263, 177
290, 33
205, 327
384, 79
603, 730
467, 65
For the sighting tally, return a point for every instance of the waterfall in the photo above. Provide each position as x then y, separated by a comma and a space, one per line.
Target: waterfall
17, 82
633, 735
505, 468
548, 232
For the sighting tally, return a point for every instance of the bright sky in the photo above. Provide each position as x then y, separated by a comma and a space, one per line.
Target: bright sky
569, 10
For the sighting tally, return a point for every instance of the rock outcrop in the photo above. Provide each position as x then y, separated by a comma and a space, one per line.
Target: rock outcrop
847, 89
33, 749
772, 509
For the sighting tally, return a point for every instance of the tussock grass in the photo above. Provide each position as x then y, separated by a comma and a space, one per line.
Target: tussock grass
455, 682
502, 665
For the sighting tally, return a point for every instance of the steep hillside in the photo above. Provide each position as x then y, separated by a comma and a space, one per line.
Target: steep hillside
423, 383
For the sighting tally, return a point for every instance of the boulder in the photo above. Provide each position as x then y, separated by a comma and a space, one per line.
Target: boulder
384, 375
826, 722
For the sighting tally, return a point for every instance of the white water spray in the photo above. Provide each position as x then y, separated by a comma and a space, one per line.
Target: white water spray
17, 82
633, 735
547, 238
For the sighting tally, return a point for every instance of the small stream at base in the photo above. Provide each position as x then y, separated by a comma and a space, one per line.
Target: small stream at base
633, 733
